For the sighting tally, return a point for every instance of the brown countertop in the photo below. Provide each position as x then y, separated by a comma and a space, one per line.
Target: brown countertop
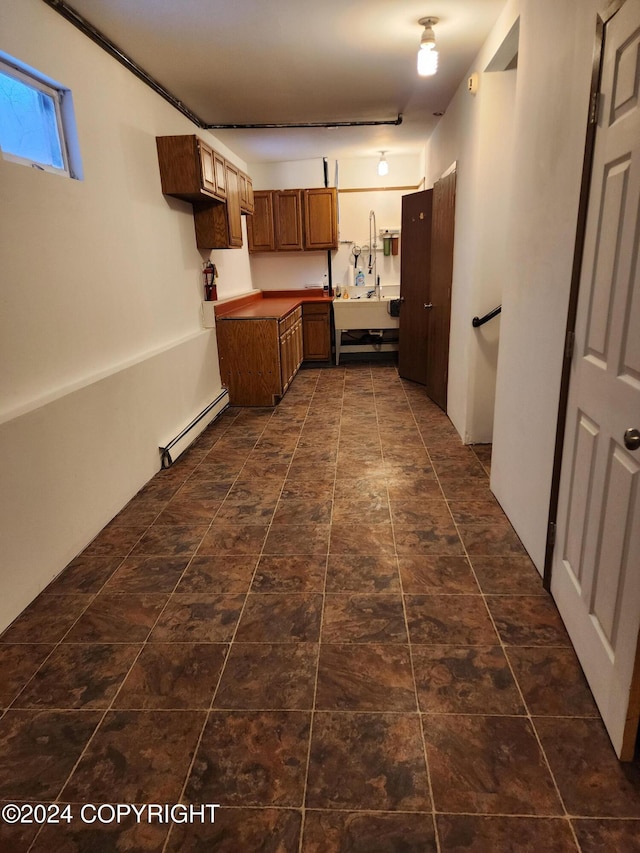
268, 304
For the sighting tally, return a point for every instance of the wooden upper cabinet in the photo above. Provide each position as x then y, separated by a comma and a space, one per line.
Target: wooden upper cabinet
321, 218
260, 231
187, 168
191, 170
294, 220
219, 225
287, 217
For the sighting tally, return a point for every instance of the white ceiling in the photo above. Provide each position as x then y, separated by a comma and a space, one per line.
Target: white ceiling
289, 61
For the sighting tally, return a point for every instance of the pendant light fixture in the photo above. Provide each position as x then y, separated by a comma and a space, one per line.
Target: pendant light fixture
427, 55
383, 166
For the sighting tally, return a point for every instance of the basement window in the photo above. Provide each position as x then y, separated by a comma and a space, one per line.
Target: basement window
37, 125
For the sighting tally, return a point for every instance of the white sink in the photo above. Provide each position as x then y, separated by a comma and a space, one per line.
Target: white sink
361, 314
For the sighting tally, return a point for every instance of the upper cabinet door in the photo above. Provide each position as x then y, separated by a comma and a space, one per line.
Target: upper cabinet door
321, 218
233, 206
207, 167
260, 226
246, 193
219, 165
287, 214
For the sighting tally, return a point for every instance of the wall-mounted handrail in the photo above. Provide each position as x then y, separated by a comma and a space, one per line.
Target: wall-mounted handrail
480, 321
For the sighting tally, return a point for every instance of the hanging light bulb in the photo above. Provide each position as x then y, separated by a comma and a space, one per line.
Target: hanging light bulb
427, 54
383, 166
427, 62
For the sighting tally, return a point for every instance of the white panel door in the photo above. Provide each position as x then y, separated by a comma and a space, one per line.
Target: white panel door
596, 566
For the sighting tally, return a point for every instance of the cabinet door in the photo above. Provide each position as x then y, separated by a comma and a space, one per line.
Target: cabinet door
246, 193
297, 336
260, 226
207, 167
249, 353
321, 218
219, 165
234, 217
284, 357
249, 202
287, 216
316, 332
219, 224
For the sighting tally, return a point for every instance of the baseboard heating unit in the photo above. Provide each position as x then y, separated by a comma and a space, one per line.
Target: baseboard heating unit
172, 450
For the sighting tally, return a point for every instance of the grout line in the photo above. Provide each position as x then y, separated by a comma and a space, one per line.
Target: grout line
319, 644
436, 834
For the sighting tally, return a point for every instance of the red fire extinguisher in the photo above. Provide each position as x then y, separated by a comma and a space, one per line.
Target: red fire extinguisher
210, 274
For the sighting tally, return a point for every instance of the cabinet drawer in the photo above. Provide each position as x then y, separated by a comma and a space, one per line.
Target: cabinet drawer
317, 308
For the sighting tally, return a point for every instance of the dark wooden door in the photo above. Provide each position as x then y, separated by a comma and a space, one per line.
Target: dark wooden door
415, 264
439, 312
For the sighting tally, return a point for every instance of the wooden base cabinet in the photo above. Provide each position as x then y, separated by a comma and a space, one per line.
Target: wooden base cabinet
316, 331
259, 357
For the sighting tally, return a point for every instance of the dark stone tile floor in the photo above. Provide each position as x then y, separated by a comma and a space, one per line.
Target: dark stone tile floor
320, 619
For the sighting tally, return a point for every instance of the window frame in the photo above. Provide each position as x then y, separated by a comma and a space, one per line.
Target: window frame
65, 121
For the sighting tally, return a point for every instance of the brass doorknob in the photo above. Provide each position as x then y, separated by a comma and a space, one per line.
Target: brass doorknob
632, 439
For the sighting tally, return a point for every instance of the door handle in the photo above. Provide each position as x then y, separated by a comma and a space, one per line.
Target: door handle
632, 439
402, 299
428, 305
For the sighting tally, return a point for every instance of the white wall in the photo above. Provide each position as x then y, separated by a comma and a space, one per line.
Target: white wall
360, 191
102, 349
476, 133
519, 150
495, 150
554, 70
